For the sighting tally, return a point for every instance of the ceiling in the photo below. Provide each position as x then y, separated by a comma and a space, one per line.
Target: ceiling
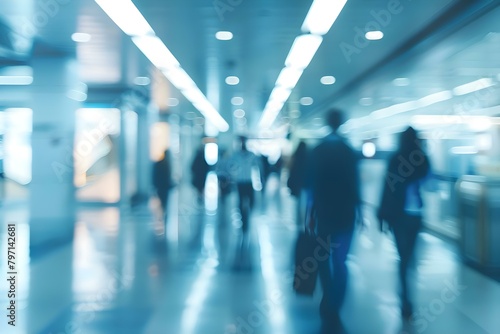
263, 31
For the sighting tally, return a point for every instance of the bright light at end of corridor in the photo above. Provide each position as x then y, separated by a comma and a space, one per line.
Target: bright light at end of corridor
369, 149
211, 153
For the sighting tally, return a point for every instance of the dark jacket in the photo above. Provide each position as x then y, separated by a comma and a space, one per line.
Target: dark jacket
298, 169
162, 175
335, 185
199, 170
403, 169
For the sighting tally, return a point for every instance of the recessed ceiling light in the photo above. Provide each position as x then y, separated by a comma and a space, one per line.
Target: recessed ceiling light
306, 101
317, 121
366, 101
80, 37
328, 80
224, 35
199, 121
369, 149
294, 113
142, 81
232, 80
239, 113
241, 121
190, 115
401, 82
374, 35
237, 101
172, 102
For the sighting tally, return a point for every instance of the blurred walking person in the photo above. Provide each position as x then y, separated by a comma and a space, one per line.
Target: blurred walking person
223, 175
297, 179
242, 163
2, 182
162, 182
199, 170
401, 205
335, 201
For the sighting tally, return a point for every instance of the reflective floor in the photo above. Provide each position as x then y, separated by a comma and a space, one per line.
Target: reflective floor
126, 273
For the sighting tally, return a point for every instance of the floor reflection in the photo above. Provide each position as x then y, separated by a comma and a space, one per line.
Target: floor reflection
196, 272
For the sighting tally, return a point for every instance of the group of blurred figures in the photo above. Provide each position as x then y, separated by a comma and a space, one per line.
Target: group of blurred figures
325, 179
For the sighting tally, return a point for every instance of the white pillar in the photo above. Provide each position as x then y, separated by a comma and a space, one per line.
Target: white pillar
52, 193
147, 115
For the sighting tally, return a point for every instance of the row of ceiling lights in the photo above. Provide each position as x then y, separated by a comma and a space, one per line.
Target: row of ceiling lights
420, 103
234, 80
319, 20
130, 20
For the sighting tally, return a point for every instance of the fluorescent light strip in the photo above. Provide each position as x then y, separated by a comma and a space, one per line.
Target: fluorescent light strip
476, 122
129, 19
16, 80
179, 78
412, 105
473, 86
322, 15
434, 98
126, 16
318, 22
156, 51
280, 94
303, 50
288, 77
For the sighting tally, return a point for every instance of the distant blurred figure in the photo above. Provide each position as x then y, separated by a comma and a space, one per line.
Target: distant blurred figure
224, 175
401, 205
199, 170
162, 181
277, 167
242, 163
264, 172
335, 200
2, 182
297, 178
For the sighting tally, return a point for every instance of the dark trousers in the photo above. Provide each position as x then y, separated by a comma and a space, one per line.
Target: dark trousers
163, 197
246, 203
405, 234
333, 275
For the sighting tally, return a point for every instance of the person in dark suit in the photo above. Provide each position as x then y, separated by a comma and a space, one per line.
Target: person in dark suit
162, 181
401, 205
297, 178
199, 171
335, 199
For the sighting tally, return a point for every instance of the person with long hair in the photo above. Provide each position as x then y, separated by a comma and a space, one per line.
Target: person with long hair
401, 205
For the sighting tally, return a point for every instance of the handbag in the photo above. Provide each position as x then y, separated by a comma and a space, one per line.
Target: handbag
306, 266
